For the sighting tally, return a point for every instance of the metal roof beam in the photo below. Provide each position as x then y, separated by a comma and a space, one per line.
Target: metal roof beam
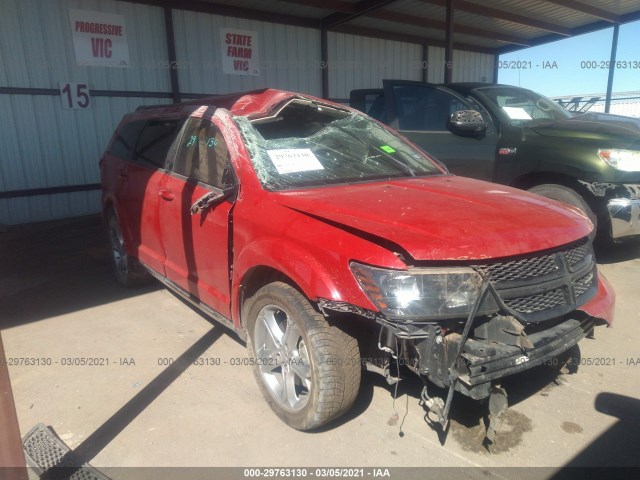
363, 7
398, 17
465, 6
231, 11
334, 5
402, 37
588, 9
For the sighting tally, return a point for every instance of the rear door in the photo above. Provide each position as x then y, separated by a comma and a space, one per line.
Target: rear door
421, 112
197, 245
143, 146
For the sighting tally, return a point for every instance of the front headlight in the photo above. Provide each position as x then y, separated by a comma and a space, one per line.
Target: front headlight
625, 160
423, 293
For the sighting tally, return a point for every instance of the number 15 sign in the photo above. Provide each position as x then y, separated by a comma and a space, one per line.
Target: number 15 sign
75, 96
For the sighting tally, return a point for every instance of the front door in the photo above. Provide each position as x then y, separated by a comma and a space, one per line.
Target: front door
197, 244
421, 112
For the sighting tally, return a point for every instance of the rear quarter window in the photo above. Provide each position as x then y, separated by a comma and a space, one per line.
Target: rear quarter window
126, 138
155, 140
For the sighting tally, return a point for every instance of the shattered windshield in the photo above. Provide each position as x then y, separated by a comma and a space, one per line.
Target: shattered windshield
307, 144
524, 106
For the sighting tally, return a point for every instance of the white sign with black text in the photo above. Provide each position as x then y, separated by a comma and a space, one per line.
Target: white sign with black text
75, 96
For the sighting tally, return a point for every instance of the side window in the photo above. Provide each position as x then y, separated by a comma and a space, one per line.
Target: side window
155, 140
425, 108
374, 104
126, 140
203, 155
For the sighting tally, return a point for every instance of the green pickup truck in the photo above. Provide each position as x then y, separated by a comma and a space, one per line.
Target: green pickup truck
516, 137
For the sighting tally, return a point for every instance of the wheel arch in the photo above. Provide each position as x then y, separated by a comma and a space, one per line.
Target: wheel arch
263, 262
257, 277
530, 180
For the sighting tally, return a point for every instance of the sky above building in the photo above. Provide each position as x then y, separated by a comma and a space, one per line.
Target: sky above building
577, 65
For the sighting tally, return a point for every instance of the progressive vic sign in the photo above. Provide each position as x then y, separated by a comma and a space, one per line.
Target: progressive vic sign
99, 39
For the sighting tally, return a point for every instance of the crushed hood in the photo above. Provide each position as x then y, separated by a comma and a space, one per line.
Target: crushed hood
443, 217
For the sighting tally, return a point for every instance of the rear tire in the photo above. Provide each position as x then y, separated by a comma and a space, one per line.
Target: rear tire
567, 195
129, 272
307, 370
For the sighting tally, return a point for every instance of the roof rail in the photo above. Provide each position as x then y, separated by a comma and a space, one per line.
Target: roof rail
146, 107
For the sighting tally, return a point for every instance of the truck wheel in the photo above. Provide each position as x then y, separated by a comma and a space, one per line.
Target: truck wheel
128, 270
307, 370
567, 195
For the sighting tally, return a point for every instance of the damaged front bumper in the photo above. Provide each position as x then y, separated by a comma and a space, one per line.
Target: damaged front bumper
622, 202
624, 214
482, 364
472, 360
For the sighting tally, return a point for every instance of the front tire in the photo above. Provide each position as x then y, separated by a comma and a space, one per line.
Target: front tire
307, 370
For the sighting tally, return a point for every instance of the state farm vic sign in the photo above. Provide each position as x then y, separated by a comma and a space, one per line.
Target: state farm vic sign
239, 52
99, 39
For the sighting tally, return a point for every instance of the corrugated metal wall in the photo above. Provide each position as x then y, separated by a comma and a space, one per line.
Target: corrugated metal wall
472, 67
436, 65
362, 62
42, 145
467, 66
289, 56
36, 46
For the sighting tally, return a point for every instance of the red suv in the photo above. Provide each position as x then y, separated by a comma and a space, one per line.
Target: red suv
331, 243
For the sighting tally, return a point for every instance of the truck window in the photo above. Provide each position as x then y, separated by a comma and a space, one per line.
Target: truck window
425, 108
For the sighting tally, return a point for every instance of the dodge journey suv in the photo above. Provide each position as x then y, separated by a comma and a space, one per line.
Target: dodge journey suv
331, 244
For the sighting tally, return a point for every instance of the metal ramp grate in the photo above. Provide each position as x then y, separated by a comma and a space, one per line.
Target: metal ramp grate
45, 452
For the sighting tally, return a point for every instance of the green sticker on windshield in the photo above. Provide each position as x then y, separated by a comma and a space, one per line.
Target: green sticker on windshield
387, 148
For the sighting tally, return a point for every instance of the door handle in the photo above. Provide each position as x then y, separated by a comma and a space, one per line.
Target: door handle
166, 195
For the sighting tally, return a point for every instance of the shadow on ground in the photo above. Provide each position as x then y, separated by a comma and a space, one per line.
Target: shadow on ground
54, 268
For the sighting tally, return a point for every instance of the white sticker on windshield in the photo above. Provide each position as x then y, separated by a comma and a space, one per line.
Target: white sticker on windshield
292, 160
516, 113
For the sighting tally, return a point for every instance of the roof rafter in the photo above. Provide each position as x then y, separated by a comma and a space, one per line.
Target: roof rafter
401, 37
465, 6
363, 7
588, 9
335, 5
398, 17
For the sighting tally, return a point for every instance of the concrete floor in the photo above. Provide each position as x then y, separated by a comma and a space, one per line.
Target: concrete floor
59, 300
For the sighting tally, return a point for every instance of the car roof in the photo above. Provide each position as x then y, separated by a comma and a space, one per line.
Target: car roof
251, 104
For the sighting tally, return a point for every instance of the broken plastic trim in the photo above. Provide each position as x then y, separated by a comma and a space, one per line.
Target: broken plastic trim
299, 101
454, 375
403, 330
344, 307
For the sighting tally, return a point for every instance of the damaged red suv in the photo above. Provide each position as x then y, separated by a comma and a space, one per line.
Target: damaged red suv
331, 244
